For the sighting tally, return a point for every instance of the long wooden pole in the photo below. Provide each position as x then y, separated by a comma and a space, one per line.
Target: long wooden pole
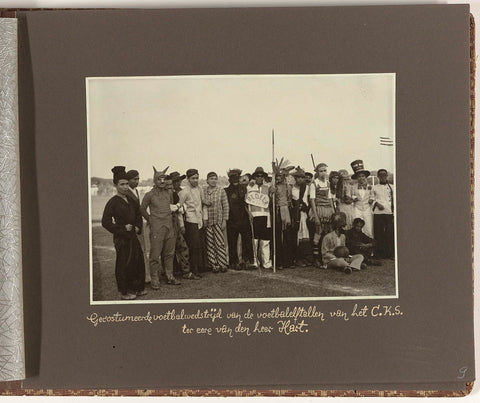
273, 204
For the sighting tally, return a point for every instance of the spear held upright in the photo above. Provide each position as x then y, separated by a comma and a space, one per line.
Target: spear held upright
273, 204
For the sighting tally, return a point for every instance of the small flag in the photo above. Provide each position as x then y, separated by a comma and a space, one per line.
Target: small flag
386, 141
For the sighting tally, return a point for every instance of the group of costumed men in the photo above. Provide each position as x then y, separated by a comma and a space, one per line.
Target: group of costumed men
327, 219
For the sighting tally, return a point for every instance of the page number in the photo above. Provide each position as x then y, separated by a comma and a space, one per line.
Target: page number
461, 372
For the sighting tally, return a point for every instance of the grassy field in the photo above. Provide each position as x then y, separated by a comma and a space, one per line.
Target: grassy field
97, 205
297, 282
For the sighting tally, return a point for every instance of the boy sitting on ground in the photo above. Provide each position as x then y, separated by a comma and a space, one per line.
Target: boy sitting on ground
358, 242
335, 254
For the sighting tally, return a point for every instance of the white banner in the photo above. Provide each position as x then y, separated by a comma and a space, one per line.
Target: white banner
258, 199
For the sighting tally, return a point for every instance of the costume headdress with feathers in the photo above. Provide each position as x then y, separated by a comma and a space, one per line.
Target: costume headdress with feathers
282, 168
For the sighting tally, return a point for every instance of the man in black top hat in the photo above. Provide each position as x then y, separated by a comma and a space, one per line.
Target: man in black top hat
238, 222
362, 196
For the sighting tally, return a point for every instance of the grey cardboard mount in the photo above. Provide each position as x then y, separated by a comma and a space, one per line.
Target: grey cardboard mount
428, 47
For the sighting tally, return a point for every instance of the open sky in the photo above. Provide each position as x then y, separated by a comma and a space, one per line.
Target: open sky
214, 123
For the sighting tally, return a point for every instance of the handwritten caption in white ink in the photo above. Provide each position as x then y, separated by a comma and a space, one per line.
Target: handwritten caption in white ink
230, 323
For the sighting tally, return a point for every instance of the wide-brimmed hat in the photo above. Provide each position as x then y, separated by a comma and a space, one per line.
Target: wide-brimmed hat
259, 171
358, 168
177, 177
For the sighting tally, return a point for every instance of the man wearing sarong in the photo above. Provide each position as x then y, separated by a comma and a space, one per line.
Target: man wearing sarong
215, 215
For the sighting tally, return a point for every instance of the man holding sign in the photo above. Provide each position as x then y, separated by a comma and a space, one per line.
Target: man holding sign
258, 202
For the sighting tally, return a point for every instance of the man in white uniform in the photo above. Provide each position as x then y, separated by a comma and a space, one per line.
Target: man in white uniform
362, 196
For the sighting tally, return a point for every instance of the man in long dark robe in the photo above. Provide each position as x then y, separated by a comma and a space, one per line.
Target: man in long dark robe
122, 218
238, 222
133, 180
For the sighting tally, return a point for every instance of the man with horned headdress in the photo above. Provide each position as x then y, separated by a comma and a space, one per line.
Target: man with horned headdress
159, 202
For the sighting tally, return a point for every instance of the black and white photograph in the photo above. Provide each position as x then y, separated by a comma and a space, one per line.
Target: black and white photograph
242, 188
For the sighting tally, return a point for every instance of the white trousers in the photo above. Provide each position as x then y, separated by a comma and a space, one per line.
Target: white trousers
261, 253
367, 216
